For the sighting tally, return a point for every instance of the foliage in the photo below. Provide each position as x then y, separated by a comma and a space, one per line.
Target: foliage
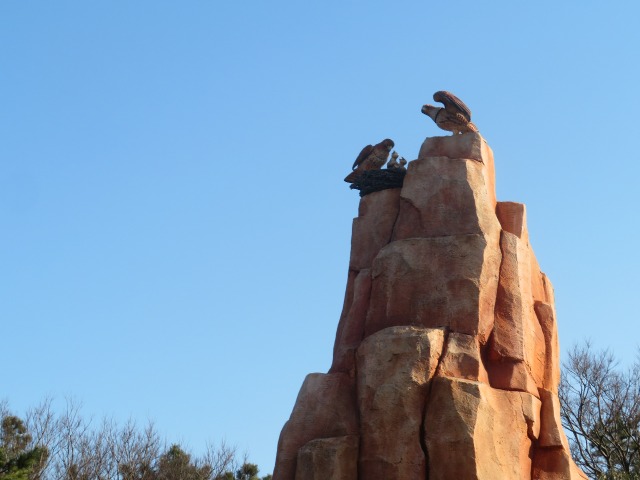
17, 460
176, 463
248, 471
600, 408
49, 446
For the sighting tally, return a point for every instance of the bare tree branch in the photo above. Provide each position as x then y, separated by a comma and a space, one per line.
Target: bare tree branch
601, 411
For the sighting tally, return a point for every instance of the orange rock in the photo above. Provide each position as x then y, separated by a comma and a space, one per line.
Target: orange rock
508, 375
470, 146
333, 458
513, 307
348, 299
435, 282
351, 326
541, 286
373, 226
517, 335
461, 358
512, 218
547, 287
325, 407
547, 318
552, 459
473, 431
395, 366
575, 472
531, 407
442, 281
551, 432
446, 196
538, 289
555, 464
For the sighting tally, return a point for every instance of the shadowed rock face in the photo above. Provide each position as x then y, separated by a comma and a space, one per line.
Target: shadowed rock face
395, 366
324, 458
325, 408
445, 363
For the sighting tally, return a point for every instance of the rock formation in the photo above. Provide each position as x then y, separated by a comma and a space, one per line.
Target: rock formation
445, 364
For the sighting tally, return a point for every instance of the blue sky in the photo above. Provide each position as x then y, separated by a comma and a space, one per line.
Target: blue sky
175, 228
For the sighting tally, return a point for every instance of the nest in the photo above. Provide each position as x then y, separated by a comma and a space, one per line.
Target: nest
376, 180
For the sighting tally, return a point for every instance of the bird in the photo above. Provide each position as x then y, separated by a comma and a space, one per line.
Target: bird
391, 164
372, 157
454, 117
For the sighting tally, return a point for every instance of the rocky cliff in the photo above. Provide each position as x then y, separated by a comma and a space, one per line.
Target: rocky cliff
445, 363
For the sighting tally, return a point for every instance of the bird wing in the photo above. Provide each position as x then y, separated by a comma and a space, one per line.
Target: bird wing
366, 151
452, 103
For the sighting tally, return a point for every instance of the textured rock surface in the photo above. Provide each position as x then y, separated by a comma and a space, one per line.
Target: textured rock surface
512, 218
473, 431
395, 367
555, 464
449, 190
325, 407
333, 458
351, 326
446, 360
470, 146
462, 358
546, 316
517, 342
551, 432
373, 226
446, 281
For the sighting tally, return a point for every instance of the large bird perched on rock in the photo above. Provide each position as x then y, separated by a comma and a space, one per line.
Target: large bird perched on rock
454, 117
372, 157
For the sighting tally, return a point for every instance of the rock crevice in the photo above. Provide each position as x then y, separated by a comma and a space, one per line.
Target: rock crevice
445, 363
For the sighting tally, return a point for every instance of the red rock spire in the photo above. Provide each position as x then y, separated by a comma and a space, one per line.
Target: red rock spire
446, 360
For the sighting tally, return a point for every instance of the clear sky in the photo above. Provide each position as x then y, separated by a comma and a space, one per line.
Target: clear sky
175, 230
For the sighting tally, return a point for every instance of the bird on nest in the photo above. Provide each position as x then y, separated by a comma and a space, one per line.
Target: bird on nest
393, 163
454, 117
372, 157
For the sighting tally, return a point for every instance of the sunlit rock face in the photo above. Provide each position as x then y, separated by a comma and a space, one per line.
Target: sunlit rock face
445, 364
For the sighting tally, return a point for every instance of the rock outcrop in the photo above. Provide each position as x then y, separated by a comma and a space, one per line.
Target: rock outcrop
445, 364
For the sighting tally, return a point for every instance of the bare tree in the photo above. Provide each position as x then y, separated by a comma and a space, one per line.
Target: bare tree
41, 422
137, 451
601, 411
77, 448
221, 459
4, 408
